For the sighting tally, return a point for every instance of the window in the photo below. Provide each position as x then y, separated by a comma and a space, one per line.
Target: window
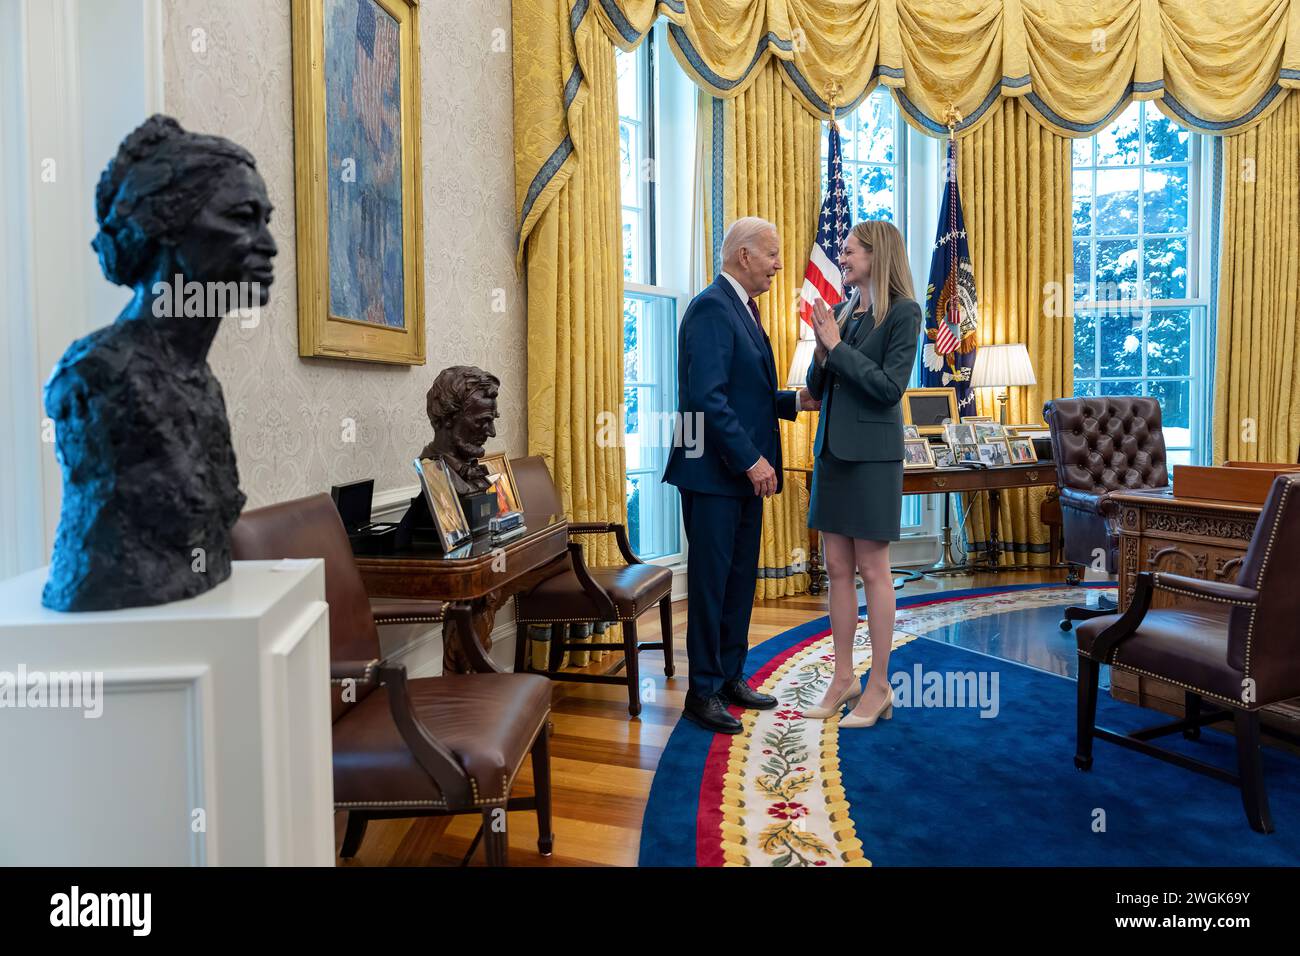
650, 316
874, 139
1141, 292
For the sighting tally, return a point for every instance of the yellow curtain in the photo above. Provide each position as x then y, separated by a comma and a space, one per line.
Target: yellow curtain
1256, 395
761, 156
573, 254
1014, 178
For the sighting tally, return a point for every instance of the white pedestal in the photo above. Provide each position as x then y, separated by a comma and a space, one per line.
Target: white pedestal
213, 745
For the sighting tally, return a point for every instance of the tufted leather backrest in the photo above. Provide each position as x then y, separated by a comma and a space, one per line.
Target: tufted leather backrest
311, 528
1264, 641
1109, 443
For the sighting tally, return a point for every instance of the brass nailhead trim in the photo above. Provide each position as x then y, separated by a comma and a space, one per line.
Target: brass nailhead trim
1198, 595
366, 677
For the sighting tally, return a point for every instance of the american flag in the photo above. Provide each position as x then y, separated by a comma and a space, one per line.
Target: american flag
822, 278
951, 316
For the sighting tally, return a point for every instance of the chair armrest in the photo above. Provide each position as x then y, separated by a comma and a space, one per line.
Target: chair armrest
1218, 591
1128, 622
461, 620
363, 672
408, 612
615, 528
600, 597
1093, 503
437, 760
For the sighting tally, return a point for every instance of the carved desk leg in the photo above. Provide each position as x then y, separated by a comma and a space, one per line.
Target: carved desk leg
458, 654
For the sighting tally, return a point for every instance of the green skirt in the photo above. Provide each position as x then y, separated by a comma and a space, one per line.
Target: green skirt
860, 499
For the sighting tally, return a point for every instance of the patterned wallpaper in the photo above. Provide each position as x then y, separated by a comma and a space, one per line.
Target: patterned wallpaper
228, 70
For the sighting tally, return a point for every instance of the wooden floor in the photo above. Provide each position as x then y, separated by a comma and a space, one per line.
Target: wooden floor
602, 761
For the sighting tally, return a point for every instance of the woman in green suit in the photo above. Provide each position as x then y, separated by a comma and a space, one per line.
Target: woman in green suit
860, 370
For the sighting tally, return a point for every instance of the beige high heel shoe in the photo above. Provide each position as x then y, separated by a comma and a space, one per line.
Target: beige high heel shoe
886, 710
852, 692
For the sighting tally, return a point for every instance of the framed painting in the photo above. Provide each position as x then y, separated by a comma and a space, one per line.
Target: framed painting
356, 119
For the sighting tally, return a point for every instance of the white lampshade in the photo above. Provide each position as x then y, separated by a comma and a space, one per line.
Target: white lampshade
803, 356
997, 366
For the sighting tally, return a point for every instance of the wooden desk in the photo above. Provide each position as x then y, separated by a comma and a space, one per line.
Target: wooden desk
930, 481
1193, 536
483, 577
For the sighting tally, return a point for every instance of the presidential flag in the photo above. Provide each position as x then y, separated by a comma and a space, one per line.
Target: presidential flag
951, 316
822, 278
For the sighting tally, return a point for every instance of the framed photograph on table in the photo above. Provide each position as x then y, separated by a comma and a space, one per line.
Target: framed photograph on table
977, 418
965, 452
994, 453
910, 432
1022, 450
989, 432
916, 453
929, 409
962, 434
503, 481
356, 130
440, 496
942, 456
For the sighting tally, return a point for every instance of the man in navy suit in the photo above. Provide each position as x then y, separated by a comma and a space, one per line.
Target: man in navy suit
726, 379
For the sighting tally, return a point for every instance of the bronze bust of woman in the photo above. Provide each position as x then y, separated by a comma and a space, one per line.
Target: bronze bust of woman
150, 485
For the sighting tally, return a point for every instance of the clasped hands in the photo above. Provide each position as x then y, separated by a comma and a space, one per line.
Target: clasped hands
826, 329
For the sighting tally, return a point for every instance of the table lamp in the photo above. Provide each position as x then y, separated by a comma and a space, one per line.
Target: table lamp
1001, 366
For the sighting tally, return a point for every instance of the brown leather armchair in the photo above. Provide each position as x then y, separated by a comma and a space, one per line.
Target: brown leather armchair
1240, 649
407, 748
1101, 445
581, 594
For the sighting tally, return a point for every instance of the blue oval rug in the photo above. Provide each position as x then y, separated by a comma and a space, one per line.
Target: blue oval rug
975, 768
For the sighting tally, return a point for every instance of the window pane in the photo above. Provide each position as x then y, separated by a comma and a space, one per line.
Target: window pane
1166, 140
1166, 268
876, 193
634, 485
1122, 388
628, 102
1082, 268
1116, 200
633, 263
1175, 411
1085, 345
875, 129
1169, 342
1177, 456
1164, 199
1084, 389
1119, 144
1082, 203
1082, 151
1121, 345
629, 150
1117, 271
633, 309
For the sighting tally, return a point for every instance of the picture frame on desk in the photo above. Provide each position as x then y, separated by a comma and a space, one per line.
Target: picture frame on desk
916, 454
994, 453
929, 409
1022, 450
910, 432
943, 456
440, 495
963, 451
962, 434
503, 481
989, 432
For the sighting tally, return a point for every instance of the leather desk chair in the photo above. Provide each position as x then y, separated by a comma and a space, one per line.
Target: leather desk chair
1100, 445
408, 748
581, 594
1240, 650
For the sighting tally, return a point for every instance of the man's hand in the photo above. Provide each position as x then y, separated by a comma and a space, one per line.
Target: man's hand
806, 401
763, 477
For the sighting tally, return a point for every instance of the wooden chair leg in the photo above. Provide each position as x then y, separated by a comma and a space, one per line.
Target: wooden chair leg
1250, 768
1191, 710
353, 835
541, 756
1089, 672
496, 839
632, 668
521, 648
666, 626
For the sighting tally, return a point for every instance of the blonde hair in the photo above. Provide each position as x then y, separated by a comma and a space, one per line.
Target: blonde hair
891, 276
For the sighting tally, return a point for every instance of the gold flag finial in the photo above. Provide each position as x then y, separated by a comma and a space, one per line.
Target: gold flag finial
833, 89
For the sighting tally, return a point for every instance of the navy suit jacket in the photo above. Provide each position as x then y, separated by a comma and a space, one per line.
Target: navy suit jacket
726, 389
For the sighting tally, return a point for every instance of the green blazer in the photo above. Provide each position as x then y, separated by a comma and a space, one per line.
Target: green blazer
862, 382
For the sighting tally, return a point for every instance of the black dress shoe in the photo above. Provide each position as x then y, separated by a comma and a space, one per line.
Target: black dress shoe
742, 695
711, 714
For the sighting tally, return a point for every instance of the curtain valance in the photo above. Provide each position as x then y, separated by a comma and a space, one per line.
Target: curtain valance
1217, 67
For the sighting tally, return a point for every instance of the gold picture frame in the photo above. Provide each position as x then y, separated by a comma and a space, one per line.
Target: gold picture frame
917, 454
498, 463
922, 402
325, 327
440, 496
